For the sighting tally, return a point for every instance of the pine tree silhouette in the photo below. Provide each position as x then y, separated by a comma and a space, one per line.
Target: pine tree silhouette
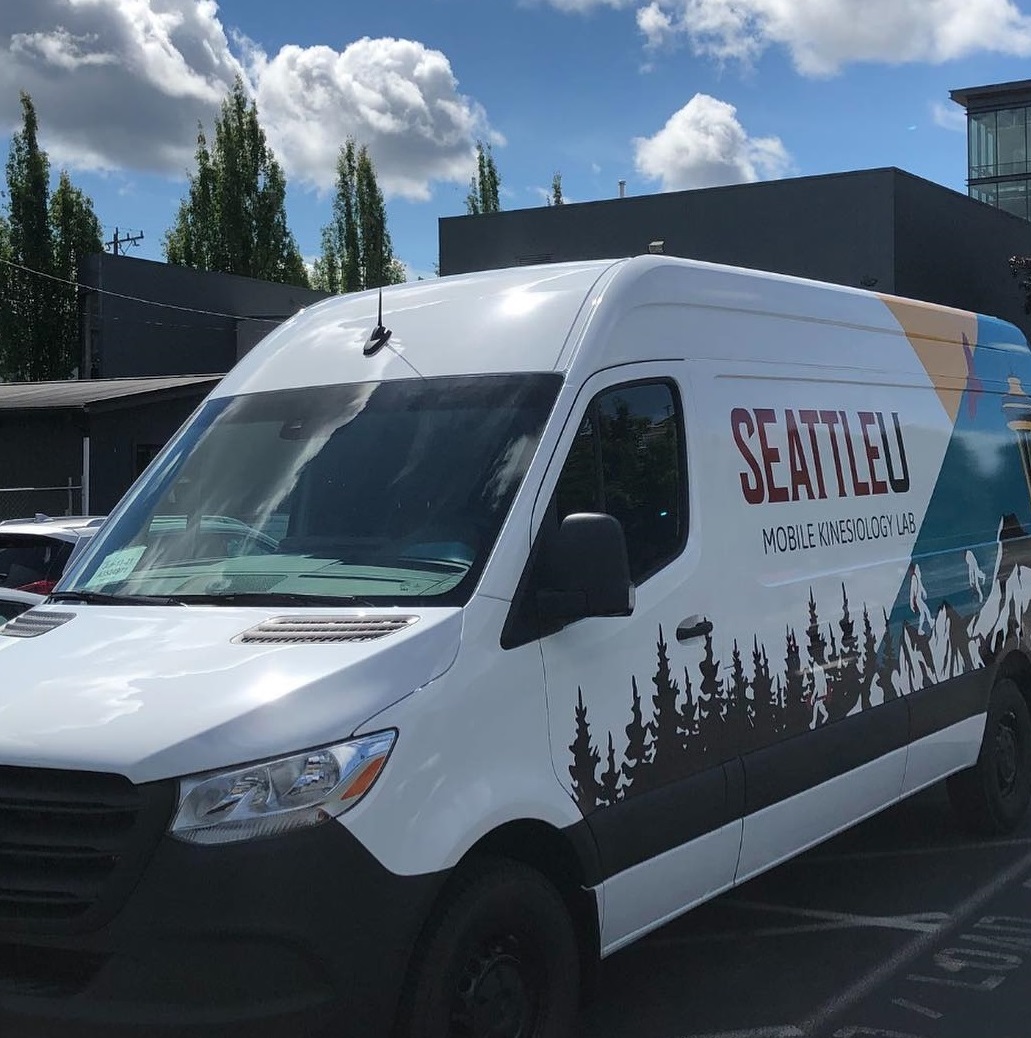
665, 720
843, 692
816, 646
829, 677
737, 702
765, 707
687, 724
798, 709
869, 660
610, 792
584, 769
779, 708
638, 754
889, 663
710, 706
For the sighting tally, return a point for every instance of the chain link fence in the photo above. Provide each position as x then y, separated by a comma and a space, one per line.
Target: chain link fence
25, 502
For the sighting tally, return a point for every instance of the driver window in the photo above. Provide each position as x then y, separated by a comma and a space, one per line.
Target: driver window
627, 460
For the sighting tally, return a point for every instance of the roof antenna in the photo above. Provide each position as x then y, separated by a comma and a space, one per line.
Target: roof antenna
380, 336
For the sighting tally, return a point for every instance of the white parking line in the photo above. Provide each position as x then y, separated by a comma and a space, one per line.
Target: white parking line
904, 1003
914, 949
918, 922
781, 1031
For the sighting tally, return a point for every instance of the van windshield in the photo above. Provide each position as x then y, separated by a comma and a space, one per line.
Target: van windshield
372, 493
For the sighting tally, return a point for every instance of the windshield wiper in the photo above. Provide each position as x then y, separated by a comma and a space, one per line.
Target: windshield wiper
271, 598
100, 598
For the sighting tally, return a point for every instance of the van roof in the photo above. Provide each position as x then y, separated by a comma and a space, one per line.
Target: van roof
529, 319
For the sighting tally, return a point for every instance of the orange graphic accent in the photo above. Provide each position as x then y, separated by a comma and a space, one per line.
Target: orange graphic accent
944, 340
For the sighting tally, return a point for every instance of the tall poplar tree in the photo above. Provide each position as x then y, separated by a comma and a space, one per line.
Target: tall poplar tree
485, 188
357, 252
46, 237
233, 219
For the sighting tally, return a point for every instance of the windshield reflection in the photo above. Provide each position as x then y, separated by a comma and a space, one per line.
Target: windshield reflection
372, 493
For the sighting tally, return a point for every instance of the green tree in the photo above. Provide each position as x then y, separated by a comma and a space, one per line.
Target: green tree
555, 198
233, 219
485, 187
46, 237
356, 249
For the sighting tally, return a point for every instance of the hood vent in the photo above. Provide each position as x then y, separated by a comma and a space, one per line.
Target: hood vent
323, 630
34, 622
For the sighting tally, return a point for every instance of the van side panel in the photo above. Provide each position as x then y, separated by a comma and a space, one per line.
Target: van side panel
859, 502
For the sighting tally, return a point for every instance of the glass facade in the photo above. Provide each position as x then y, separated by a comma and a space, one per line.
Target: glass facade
999, 148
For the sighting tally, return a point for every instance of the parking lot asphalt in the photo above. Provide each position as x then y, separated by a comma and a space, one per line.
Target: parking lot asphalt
903, 927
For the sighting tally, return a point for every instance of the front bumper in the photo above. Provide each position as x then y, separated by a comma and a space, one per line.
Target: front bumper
302, 934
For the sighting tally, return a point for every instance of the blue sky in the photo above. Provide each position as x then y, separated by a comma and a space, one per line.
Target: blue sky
665, 94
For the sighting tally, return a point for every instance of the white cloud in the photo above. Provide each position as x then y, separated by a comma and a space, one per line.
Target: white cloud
704, 145
823, 35
397, 96
144, 74
655, 24
123, 84
949, 117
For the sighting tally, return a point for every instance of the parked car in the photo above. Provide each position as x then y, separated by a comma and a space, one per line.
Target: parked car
13, 602
34, 552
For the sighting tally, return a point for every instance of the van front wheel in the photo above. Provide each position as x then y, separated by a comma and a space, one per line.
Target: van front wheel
499, 959
992, 797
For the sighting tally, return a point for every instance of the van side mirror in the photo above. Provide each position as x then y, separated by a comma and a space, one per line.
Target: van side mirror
588, 573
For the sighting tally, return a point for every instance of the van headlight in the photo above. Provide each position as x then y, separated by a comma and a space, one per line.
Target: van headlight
275, 796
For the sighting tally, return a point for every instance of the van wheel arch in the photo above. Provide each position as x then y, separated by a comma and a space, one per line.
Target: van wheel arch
567, 859
1017, 667
991, 798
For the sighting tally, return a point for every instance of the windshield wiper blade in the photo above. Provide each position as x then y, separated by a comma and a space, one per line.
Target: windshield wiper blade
271, 598
100, 598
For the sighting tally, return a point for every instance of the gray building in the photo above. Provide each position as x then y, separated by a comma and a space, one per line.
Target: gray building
881, 229
155, 340
75, 447
998, 125
143, 318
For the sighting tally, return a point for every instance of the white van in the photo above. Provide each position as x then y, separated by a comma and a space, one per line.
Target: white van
464, 636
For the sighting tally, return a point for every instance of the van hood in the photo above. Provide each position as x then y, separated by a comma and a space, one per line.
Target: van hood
152, 692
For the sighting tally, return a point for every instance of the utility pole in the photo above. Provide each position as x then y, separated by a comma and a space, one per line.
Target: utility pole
126, 239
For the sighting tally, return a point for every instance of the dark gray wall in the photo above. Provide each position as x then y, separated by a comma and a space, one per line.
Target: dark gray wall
117, 434
123, 337
881, 229
836, 228
950, 249
39, 449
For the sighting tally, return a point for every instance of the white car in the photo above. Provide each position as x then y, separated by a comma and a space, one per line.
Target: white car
34, 552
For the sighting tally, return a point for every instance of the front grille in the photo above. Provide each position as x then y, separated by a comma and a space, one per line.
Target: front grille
34, 622
71, 845
322, 630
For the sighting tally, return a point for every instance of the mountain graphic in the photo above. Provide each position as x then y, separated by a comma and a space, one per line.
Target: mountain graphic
950, 644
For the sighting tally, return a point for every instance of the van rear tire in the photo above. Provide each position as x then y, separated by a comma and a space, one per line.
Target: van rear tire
991, 798
498, 959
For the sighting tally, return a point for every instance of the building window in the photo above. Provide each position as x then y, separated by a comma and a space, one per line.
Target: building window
981, 139
628, 460
145, 454
1011, 135
987, 193
1013, 198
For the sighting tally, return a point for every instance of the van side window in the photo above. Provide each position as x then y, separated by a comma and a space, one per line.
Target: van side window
627, 460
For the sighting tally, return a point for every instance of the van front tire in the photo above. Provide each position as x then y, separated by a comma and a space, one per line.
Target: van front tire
991, 798
499, 959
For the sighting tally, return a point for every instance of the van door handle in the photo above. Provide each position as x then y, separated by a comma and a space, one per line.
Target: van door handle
692, 627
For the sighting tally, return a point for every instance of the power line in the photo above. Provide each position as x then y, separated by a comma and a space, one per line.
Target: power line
139, 299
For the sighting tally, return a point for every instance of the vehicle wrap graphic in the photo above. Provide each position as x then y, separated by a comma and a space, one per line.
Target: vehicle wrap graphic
964, 597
